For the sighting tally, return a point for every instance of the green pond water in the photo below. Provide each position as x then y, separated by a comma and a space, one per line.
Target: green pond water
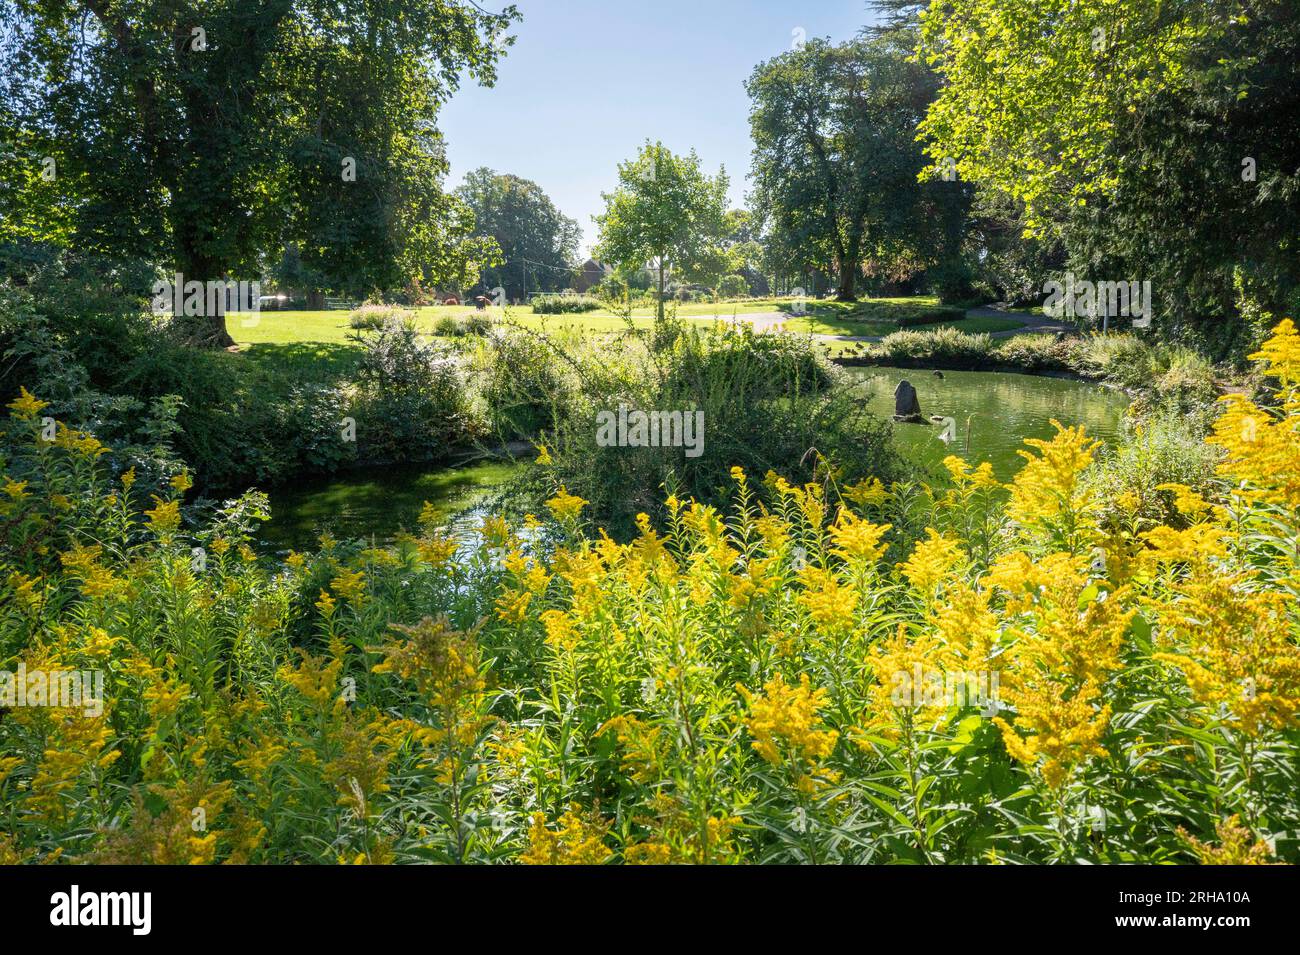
993, 413
376, 502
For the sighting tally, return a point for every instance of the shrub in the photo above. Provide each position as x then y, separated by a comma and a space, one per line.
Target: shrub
476, 324
527, 384
237, 419
372, 316
1040, 352
452, 326
411, 401
565, 304
1124, 358
448, 326
768, 402
1159, 451
926, 315
940, 344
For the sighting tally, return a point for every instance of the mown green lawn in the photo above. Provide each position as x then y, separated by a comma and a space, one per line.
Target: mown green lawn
869, 317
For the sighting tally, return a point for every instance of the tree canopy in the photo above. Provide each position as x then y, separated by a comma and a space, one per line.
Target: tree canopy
836, 162
1154, 141
213, 135
666, 211
538, 242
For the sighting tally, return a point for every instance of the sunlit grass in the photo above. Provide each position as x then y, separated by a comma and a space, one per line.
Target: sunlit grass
871, 317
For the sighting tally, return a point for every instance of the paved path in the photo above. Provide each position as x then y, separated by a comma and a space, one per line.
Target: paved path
1036, 323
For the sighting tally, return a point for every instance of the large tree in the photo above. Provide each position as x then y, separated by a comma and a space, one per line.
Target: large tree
538, 242
666, 211
211, 134
836, 162
1152, 141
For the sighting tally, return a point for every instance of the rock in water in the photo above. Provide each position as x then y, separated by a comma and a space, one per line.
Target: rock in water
907, 407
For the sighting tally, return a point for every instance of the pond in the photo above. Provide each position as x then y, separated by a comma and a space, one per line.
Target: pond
992, 412
376, 502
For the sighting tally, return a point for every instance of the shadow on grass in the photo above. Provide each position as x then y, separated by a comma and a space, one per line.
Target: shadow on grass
315, 361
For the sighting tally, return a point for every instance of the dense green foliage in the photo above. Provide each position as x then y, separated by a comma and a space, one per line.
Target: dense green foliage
1156, 141
667, 212
538, 242
836, 165
761, 402
236, 130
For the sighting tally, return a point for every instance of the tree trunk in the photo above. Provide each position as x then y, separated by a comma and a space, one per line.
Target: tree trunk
661, 289
204, 331
207, 331
848, 281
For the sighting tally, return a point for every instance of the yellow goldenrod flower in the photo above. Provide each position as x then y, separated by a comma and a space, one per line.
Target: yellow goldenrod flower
1280, 355
565, 506
315, 678
1192, 545
26, 406
444, 663
325, 604
7, 765
1188, 502
350, 586
867, 493
1237, 845
784, 722
435, 550
963, 477
164, 516
1065, 732
1236, 650
83, 442
931, 561
858, 539
560, 630
895, 691
24, 588
96, 580
495, 531
512, 606
1049, 485
77, 750
830, 603
579, 840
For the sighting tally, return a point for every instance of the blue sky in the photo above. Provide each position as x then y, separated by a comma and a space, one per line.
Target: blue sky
588, 81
